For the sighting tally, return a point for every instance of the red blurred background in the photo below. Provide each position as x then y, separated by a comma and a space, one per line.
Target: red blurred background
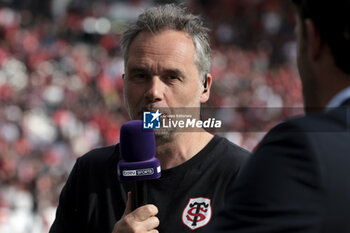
61, 86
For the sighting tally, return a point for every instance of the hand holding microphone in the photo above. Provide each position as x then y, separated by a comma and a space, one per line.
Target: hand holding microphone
143, 219
138, 164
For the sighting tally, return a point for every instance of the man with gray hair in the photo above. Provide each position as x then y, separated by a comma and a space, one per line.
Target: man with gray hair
167, 61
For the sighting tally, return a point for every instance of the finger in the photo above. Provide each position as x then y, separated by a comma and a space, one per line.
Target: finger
128, 207
153, 231
151, 223
144, 212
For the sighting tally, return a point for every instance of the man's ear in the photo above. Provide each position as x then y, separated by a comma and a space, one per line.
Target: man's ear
206, 88
314, 41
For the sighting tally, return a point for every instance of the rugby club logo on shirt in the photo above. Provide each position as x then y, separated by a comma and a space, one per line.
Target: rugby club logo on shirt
197, 213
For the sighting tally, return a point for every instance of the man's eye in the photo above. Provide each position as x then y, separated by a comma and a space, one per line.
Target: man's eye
172, 77
139, 76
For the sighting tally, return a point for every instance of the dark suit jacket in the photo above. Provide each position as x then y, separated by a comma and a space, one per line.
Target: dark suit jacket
298, 180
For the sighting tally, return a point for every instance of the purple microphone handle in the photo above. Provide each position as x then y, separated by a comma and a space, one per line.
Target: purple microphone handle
138, 163
138, 174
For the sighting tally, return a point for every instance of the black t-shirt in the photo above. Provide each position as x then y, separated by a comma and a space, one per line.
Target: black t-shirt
188, 196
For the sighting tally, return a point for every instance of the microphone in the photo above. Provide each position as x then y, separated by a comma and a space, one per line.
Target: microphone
138, 163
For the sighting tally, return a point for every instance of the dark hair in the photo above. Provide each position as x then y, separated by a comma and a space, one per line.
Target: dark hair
332, 18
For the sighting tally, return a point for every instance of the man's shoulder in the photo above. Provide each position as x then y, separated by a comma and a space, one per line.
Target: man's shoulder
325, 122
312, 131
231, 147
100, 155
229, 152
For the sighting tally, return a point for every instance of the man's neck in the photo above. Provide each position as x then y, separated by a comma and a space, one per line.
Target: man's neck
331, 81
181, 147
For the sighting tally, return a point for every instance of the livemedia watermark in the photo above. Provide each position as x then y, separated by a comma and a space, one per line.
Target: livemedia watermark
241, 119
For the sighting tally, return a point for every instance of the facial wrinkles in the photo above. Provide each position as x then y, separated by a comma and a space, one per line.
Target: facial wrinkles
155, 59
156, 55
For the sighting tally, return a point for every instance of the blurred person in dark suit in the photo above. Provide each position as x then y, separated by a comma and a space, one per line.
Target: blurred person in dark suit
167, 60
297, 180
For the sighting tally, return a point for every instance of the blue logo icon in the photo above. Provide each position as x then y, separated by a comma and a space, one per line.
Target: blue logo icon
151, 120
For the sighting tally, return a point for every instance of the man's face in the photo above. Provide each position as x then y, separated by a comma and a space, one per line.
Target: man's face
160, 73
301, 45
309, 82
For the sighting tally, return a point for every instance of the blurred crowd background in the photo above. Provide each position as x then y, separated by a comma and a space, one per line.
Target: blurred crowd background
61, 86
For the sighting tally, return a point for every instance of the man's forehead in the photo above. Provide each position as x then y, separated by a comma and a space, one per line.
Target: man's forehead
169, 48
163, 42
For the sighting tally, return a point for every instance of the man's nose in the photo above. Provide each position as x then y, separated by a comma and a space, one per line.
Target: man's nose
155, 90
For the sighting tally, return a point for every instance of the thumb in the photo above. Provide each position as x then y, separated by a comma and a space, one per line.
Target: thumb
128, 207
